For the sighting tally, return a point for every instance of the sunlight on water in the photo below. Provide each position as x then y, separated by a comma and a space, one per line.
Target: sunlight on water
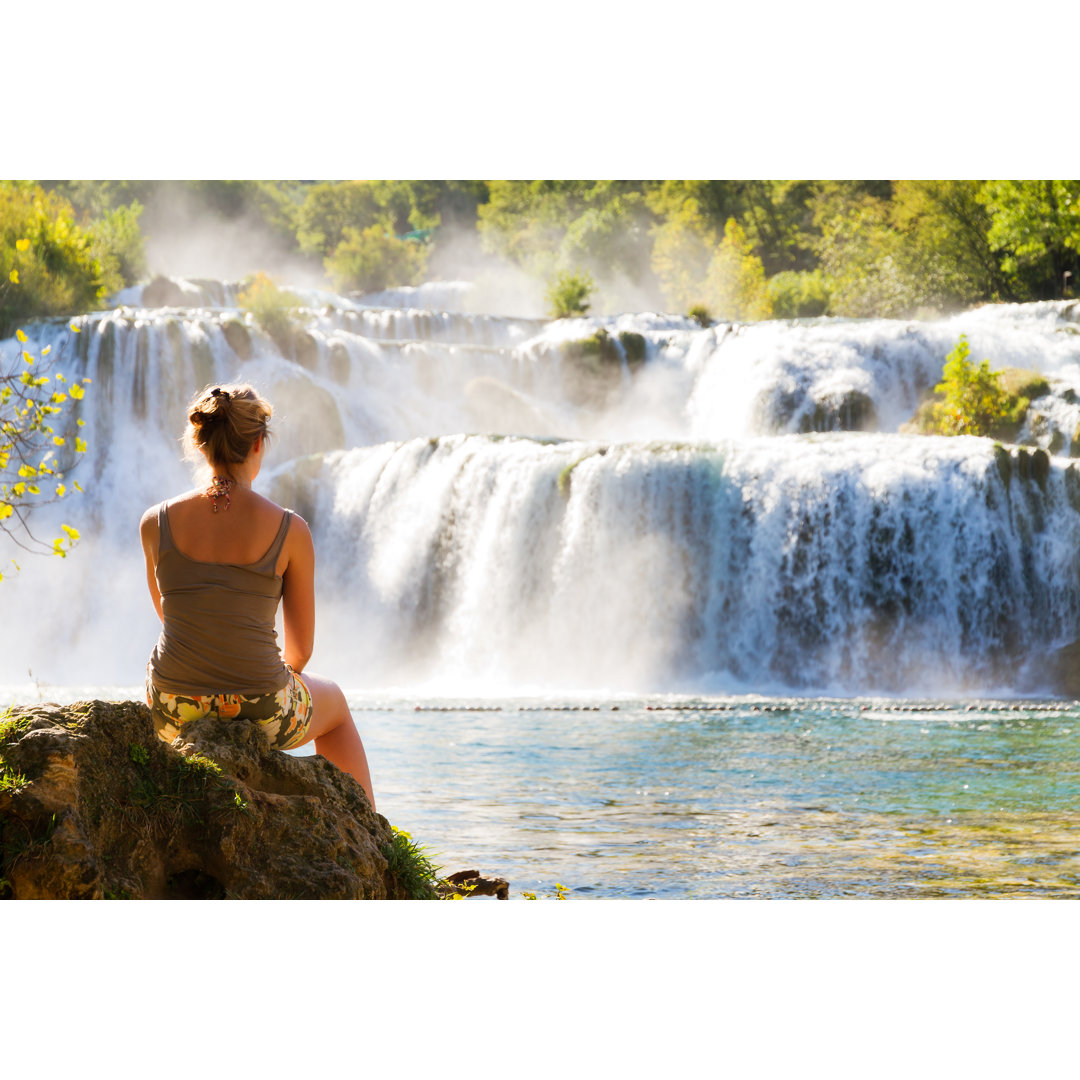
746, 797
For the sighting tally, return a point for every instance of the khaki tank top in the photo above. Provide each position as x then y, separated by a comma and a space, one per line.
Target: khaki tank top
219, 634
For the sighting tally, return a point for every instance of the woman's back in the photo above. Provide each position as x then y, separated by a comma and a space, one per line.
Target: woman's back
220, 584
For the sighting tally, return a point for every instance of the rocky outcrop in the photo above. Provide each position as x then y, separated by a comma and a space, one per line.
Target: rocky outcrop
94, 806
164, 292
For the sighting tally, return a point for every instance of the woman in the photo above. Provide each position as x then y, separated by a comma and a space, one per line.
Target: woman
218, 561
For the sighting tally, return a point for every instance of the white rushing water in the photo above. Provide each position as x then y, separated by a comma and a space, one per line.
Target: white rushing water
500, 508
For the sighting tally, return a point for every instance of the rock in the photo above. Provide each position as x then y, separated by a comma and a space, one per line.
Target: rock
305, 350
494, 406
470, 883
851, 410
340, 364
238, 336
163, 292
94, 806
1061, 671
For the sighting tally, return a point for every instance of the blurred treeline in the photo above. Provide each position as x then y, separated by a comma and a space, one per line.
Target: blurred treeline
742, 249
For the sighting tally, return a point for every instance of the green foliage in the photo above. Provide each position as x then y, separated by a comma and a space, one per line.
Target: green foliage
1035, 231
797, 294
271, 307
35, 399
971, 400
375, 259
117, 241
411, 866
735, 280
58, 271
568, 294
700, 314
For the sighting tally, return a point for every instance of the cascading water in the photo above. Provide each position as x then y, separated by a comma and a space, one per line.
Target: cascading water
628, 502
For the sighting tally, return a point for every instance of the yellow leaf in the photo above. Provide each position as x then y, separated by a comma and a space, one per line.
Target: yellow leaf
46, 350
20, 335
27, 357
77, 391
80, 445
6, 510
74, 329
22, 245
14, 277
58, 440
19, 489
73, 534
77, 486
61, 490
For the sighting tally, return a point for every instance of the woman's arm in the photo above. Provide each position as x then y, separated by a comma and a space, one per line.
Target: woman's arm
298, 595
148, 531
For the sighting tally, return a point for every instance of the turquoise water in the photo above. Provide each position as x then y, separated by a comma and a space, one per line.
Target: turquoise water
691, 798
701, 798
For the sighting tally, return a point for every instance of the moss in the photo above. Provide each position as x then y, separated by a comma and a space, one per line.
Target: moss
1040, 468
1022, 383
700, 314
1003, 460
596, 351
633, 346
1057, 442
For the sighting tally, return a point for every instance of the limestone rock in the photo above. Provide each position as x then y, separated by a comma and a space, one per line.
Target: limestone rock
93, 805
164, 292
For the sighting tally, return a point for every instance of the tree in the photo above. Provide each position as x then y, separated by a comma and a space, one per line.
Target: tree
59, 272
1036, 231
35, 457
374, 259
735, 281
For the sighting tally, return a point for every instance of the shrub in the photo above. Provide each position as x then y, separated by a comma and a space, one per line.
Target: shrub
34, 400
971, 400
374, 259
568, 294
798, 294
700, 314
272, 308
58, 270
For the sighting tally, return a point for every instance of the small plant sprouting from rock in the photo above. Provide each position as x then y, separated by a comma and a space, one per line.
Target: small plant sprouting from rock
700, 314
411, 866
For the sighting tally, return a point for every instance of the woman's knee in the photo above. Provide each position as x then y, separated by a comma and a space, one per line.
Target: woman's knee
329, 709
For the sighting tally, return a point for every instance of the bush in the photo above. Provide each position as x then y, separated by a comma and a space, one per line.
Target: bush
568, 294
272, 308
798, 294
700, 314
35, 399
374, 259
57, 271
118, 244
971, 400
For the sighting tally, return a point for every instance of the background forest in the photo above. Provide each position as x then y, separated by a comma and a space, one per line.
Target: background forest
725, 249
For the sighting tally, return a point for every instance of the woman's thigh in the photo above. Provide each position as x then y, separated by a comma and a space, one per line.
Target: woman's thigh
329, 708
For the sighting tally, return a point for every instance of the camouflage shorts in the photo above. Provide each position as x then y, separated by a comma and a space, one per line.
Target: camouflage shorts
284, 715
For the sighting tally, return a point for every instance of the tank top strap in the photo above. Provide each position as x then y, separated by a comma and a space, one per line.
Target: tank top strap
269, 560
165, 539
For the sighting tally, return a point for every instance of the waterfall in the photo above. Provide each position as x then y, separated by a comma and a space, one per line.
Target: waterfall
615, 502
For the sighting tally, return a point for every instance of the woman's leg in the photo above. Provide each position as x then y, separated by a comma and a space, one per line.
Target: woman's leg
334, 732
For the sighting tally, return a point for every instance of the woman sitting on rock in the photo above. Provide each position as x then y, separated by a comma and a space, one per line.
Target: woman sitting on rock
218, 561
